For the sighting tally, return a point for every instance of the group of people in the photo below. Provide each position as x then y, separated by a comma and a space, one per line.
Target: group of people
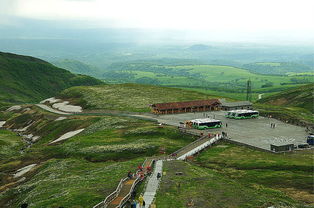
141, 173
272, 125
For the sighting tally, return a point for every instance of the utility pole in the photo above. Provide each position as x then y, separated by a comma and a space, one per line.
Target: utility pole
249, 90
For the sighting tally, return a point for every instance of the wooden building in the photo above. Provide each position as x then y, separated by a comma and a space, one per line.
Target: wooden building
188, 106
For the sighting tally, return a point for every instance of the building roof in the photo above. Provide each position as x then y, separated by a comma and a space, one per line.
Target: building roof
186, 104
235, 104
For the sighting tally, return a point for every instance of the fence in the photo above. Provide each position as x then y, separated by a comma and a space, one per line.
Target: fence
112, 196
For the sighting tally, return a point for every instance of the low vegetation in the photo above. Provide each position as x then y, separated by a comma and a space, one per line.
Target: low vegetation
80, 171
128, 97
302, 97
228, 175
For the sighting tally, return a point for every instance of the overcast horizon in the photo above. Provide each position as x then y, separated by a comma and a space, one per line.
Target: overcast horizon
279, 22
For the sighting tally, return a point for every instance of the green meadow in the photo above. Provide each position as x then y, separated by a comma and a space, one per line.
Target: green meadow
228, 175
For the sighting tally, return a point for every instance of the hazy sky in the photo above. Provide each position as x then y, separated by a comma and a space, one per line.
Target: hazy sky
276, 17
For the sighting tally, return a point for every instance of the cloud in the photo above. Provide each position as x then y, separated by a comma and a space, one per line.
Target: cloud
289, 18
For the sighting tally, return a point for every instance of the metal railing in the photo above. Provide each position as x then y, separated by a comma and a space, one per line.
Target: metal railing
192, 143
112, 196
115, 194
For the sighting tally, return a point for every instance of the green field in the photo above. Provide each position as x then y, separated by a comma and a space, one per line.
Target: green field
228, 175
214, 78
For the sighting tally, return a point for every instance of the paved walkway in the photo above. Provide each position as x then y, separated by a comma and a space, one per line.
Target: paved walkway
152, 185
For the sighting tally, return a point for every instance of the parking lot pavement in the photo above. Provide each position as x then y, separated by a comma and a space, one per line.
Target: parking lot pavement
256, 132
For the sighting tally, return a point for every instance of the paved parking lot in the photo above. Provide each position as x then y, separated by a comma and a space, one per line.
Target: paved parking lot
256, 132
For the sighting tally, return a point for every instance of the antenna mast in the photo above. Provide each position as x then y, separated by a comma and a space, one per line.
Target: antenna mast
249, 90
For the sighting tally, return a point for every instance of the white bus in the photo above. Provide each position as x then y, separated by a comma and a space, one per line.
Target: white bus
242, 114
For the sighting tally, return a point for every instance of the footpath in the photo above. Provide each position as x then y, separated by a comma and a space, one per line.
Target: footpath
125, 189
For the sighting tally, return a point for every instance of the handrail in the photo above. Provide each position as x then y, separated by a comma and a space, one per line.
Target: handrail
126, 198
138, 179
199, 139
111, 196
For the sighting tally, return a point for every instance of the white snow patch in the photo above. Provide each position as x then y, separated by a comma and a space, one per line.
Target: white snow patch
67, 108
24, 129
35, 138
61, 118
14, 108
51, 100
23, 170
26, 109
29, 136
2, 123
67, 135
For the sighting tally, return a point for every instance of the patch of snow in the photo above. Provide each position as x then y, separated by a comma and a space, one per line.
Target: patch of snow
48, 108
14, 108
2, 123
35, 138
23, 129
29, 136
67, 136
21, 180
67, 108
26, 109
61, 118
23, 170
50, 100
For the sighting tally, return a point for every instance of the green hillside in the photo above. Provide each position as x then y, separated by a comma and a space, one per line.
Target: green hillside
28, 79
128, 97
302, 97
77, 67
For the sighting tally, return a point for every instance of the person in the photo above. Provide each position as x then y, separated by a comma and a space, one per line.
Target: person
130, 175
226, 125
140, 200
274, 125
158, 175
143, 203
140, 167
24, 205
133, 204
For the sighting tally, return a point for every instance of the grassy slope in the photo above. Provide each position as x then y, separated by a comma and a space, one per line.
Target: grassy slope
302, 97
129, 97
27, 79
232, 176
80, 171
294, 106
